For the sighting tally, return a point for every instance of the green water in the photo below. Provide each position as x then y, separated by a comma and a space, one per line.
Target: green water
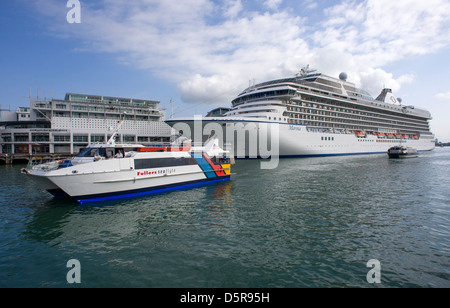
312, 222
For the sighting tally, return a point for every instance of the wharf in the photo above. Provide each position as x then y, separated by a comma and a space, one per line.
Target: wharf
22, 158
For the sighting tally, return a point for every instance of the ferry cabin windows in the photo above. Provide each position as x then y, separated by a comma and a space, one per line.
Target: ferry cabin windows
327, 138
90, 152
103, 152
163, 162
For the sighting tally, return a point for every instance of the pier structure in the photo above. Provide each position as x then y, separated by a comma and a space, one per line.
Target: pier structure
24, 158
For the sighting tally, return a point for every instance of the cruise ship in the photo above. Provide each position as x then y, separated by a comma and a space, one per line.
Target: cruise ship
312, 114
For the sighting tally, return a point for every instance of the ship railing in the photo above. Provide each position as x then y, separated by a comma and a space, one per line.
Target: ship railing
197, 144
226, 145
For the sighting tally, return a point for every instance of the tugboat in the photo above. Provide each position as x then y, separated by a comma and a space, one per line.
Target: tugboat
401, 152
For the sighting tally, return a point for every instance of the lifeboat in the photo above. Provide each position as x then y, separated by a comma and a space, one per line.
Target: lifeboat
360, 134
164, 149
380, 135
397, 135
415, 137
405, 136
171, 148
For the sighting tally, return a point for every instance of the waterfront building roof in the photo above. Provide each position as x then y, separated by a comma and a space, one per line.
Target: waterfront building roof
97, 99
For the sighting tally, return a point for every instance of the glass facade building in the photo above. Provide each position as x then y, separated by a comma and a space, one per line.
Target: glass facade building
68, 125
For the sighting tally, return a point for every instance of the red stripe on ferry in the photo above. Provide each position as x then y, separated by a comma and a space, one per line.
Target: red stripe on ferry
217, 168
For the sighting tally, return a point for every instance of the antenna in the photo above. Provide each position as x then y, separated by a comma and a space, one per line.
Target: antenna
171, 108
112, 140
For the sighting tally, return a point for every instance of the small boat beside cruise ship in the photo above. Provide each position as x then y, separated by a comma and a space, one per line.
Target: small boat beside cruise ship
108, 171
402, 152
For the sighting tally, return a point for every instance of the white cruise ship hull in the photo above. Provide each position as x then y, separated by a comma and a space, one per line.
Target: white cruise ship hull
295, 140
265, 139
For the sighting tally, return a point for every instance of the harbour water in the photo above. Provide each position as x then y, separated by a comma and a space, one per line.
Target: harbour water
312, 222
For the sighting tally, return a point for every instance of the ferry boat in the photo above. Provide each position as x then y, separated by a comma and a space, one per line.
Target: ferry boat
312, 114
402, 152
110, 171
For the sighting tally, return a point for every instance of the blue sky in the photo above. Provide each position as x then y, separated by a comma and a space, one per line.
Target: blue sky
202, 53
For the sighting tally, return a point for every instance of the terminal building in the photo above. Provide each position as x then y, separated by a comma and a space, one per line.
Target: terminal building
66, 126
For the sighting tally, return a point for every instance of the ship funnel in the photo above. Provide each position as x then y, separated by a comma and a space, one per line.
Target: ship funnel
386, 96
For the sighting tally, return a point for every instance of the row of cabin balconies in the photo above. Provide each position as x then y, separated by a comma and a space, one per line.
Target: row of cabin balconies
311, 107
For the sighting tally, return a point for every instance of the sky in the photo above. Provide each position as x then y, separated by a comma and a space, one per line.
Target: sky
203, 53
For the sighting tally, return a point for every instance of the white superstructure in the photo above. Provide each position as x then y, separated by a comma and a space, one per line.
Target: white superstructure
312, 114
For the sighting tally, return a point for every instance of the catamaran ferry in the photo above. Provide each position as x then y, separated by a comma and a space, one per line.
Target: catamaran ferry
312, 114
105, 171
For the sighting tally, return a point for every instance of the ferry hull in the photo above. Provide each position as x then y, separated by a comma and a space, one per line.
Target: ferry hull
147, 190
97, 186
400, 156
100, 186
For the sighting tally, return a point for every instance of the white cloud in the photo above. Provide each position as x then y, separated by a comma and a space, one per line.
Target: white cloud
310, 4
212, 48
384, 31
233, 8
374, 80
273, 4
363, 37
443, 96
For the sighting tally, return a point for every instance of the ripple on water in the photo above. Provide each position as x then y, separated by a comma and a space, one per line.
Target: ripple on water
308, 223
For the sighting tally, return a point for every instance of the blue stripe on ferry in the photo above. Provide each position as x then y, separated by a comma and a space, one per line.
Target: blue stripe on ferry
58, 193
332, 154
153, 190
204, 165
